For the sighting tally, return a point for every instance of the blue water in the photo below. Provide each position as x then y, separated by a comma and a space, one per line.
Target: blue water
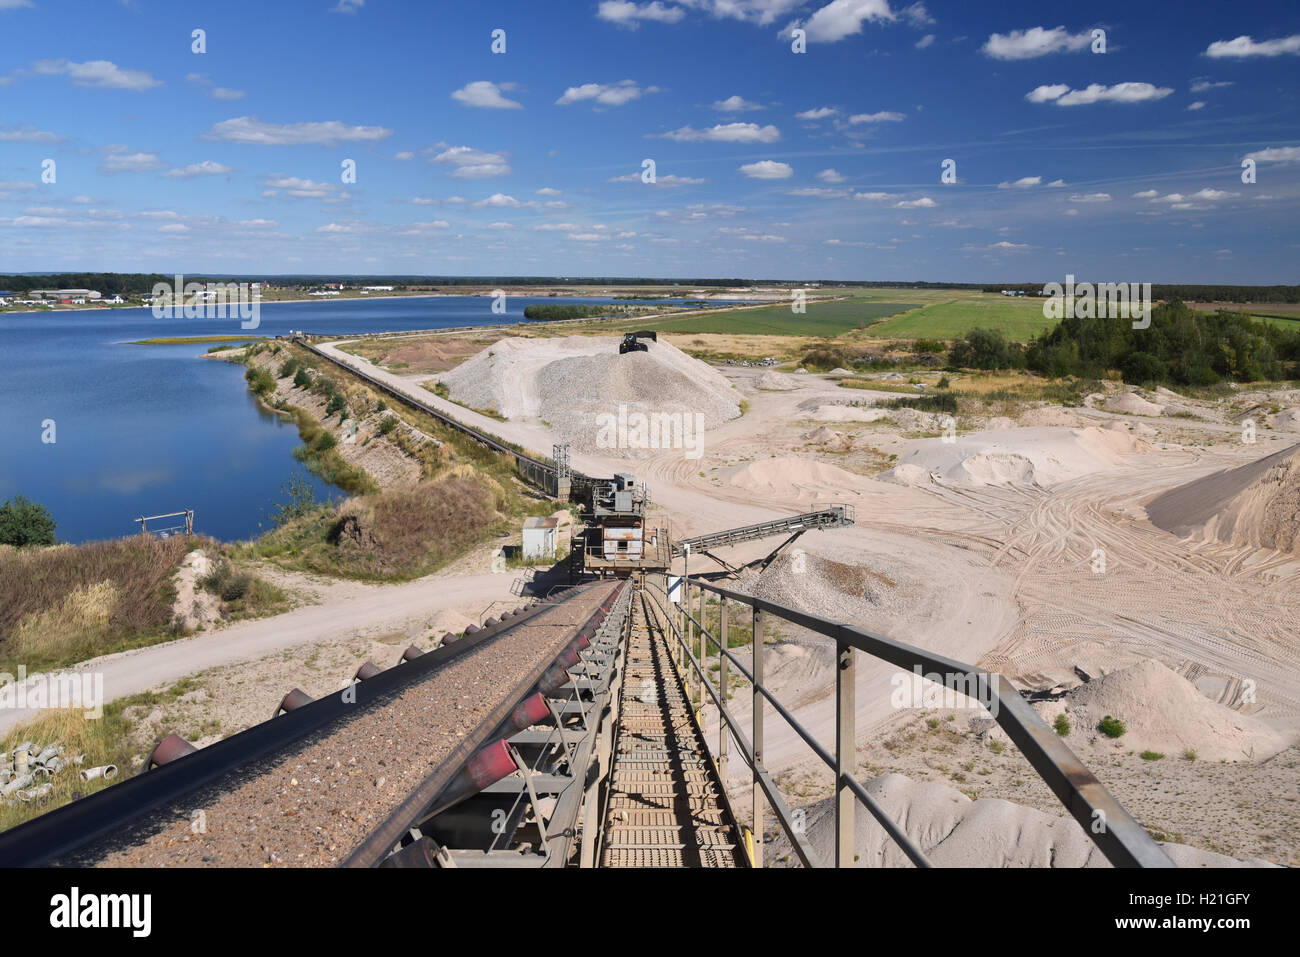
142, 430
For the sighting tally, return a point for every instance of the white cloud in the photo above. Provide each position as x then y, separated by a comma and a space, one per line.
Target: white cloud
205, 168
1130, 92
726, 133
873, 197
1025, 182
884, 116
1035, 42
765, 238
818, 114
1198, 105
97, 73
605, 94
1245, 46
251, 130
1006, 245
29, 134
767, 169
925, 202
1203, 83
1090, 198
487, 95
549, 191
120, 159
668, 180
844, 18
225, 93
174, 228
925, 41
1146, 194
14, 4
347, 6
1276, 154
735, 104
473, 164
404, 155
626, 14
498, 201
831, 176
298, 188
820, 192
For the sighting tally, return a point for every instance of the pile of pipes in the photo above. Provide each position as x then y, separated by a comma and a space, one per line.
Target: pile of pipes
25, 775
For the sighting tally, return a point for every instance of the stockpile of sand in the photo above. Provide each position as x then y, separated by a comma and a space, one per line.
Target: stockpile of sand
844, 590
1287, 421
1162, 711
1051, 415
1256, 504
773, 381
954, 831
829, 439
848, 413
793, 478
1033, 456
577, 384
1133, 404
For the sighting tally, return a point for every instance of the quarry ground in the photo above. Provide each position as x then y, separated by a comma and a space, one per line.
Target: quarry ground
1022, 547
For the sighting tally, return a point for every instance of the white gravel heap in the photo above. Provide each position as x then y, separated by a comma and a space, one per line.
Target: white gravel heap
569, 382
842, 590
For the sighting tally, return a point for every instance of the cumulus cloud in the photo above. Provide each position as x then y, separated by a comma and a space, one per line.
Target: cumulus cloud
1062, 95
735, 104
726, 133
205, 168
844, 18
1035, 42
629, 15
1090, 198
29, 134
767, 169
487, 95
605, 94
667, 181
820, 113
473, 164
1245, 46
1025, 182
1276, 154
97, 73
252, 131
925, 202
297, 187
122, 159
830, 176
884, 116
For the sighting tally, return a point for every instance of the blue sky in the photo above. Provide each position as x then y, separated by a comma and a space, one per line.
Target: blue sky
1115, 166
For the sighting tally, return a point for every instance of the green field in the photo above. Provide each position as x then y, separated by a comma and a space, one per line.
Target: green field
1017, 319
821, 319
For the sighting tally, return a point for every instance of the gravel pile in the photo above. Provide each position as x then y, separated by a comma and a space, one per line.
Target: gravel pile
842, 590
578, 384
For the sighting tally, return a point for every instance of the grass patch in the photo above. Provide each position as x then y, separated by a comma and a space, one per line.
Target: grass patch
1111, 727
1017, 319
1061, 725
823, 319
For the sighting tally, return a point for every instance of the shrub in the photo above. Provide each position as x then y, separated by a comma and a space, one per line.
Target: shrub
336, 403
289, 367
24, 522
943, 383
1150, 755
1111, 727
930, 345
325, 441
388, 425
1061, 725
947, 402
823, 360
302, 379
985, 349
260, 381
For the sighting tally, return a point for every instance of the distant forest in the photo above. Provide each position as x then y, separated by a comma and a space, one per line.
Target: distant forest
112, 283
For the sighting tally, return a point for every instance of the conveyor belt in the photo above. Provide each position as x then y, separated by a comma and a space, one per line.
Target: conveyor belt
666, 806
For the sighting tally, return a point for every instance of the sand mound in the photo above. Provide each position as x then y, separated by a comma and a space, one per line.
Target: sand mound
1051, 415
848, 413
1164, 712
773, 381
592, 396
794, 478
847, 591
955, 831
1287, 420
1256, 504
1133, 404
1032, 456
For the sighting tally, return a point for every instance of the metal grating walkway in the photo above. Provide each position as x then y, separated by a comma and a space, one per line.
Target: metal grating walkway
665, 805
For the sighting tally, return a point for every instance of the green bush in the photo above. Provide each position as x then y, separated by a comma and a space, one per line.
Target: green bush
985, 349
325, 441
289, 366
260, 381
823, 360
24, 522
946, 402
388, 425
1150, 755
1061, 725
302, 379
930, 345
336, 403
1111, 727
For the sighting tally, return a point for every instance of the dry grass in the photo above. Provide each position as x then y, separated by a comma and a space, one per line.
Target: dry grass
66, 603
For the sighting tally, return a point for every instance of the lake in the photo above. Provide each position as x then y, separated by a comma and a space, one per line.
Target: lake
143, 430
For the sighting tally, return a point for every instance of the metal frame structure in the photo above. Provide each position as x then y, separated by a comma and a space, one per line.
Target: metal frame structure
186, 526
1119, 837
831, 516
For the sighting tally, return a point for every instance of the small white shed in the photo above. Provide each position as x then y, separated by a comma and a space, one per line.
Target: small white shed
540, 538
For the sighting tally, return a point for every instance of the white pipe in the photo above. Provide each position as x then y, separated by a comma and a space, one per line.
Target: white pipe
107, 772
21, 781
36, 792
20, 760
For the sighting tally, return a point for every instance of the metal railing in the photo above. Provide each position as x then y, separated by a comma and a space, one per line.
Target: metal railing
1119, 837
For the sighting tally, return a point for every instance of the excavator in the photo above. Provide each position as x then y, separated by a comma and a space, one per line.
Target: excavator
632, 342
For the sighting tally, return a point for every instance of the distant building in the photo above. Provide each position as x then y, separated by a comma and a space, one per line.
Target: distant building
540, 538
64, 294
